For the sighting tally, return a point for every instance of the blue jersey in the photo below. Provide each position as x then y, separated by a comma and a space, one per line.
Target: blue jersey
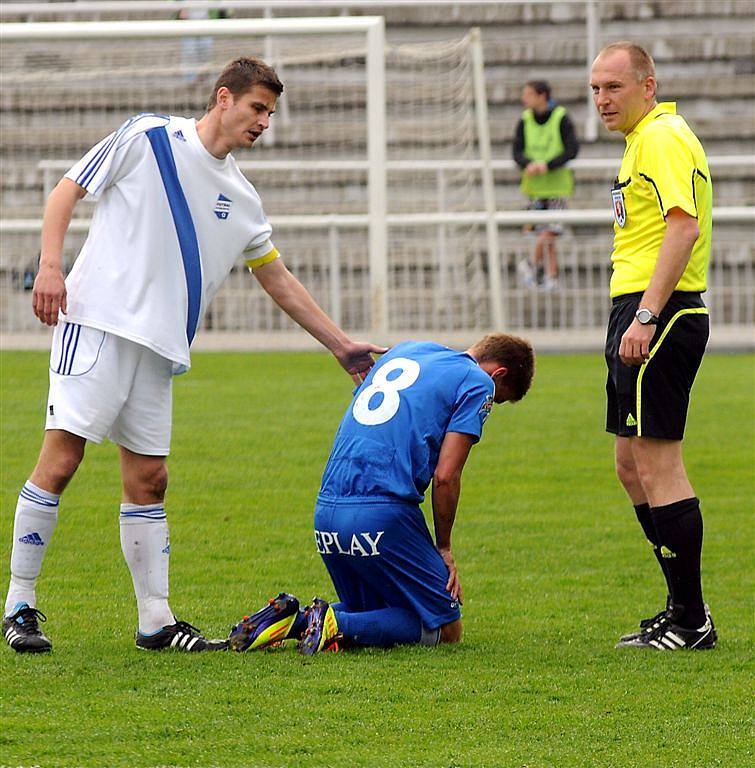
388, 443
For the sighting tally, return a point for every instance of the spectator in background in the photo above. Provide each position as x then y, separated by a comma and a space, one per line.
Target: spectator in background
197, 51
544, 142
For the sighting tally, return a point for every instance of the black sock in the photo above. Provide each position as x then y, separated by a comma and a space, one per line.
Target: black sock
646, 521
680, 533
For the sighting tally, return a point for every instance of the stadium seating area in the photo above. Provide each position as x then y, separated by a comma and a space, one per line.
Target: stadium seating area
712, 77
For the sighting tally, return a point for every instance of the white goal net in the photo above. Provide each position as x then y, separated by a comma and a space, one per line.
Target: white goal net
314, 168
375, 173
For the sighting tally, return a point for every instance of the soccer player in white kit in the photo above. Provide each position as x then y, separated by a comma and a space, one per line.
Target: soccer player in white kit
173, 216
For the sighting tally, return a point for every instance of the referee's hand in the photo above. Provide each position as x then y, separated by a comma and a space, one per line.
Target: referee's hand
635, 343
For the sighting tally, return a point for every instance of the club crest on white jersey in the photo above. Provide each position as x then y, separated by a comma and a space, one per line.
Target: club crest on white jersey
223, 207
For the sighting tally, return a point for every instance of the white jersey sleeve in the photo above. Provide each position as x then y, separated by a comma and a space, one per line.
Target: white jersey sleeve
257, 255
107, 162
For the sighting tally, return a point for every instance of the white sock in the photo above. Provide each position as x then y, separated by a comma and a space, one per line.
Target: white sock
36, 517
146, 547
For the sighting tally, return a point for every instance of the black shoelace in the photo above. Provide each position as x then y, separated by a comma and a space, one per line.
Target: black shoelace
658, 616
658, 628
188, 628
29, 619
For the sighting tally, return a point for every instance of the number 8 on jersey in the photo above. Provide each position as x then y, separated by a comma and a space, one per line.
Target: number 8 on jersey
389, 388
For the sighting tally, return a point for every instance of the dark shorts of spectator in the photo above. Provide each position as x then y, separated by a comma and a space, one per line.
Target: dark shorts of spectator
550, 204
651, 400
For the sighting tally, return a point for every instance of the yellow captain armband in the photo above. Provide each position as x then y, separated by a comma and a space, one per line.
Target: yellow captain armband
259, 261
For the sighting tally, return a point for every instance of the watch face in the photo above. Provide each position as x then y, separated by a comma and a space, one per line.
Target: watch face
644, 316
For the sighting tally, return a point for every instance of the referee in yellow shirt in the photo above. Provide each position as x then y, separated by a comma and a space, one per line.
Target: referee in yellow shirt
658, 329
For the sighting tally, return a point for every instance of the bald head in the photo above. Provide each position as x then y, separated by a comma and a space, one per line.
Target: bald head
623, 85
640, 61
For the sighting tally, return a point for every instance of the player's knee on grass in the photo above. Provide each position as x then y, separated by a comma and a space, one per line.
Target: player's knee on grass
451, 632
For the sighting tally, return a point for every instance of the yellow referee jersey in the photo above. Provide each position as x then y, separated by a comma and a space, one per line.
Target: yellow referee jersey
664, 167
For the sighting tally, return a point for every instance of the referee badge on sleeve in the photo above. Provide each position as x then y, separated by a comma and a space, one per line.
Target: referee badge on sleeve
619, 209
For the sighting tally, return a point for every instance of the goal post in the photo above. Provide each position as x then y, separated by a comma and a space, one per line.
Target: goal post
372, 28
375, 162
378, 179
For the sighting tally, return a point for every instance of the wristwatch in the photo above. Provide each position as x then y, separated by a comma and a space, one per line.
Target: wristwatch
646, 317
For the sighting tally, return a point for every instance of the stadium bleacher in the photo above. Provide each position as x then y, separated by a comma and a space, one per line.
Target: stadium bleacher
710, 75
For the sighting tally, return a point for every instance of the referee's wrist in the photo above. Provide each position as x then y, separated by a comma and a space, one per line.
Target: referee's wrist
646, 316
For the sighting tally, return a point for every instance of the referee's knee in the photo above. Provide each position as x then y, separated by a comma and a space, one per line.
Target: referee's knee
626, 471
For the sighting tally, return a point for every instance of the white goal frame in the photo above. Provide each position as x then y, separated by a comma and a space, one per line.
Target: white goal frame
373, 27
375, 166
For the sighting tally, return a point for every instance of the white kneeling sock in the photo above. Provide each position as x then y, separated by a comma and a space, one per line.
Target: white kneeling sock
146, 547
36, 517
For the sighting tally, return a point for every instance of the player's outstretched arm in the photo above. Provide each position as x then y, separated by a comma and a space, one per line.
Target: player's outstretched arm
49, 294
445, 494
294, 299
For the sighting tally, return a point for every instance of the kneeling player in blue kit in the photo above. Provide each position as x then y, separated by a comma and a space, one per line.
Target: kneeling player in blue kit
413, 420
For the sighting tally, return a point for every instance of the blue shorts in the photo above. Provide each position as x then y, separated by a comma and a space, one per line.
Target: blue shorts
380, 554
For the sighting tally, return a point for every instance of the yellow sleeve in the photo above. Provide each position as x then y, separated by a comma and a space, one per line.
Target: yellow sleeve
666, 162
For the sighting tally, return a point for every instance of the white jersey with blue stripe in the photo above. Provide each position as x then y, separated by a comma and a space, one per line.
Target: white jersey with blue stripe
389, 440
170, 222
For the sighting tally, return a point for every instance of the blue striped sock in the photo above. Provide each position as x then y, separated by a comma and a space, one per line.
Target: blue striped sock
34, 523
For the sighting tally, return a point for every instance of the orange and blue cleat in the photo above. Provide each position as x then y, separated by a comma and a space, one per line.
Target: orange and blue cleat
269, 626
322, 632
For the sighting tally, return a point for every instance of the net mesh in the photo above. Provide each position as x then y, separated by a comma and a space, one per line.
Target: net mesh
60, 98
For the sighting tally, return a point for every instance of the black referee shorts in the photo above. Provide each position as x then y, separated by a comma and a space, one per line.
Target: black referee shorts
651, 400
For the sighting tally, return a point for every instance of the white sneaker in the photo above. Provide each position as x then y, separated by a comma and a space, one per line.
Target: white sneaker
526, 273
550, 284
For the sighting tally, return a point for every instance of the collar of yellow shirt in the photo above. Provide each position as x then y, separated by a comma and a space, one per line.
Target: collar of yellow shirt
665, 107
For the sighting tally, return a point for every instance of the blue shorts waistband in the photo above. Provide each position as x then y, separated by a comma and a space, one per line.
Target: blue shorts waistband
354, 500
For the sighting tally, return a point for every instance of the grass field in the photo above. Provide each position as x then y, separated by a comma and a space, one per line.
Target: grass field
552, 561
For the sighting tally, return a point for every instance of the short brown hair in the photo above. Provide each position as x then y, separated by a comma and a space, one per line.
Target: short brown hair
540, 87
642, 62
241, 75
514, 353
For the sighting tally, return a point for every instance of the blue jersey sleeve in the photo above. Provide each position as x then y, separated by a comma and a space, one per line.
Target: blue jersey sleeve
474, 401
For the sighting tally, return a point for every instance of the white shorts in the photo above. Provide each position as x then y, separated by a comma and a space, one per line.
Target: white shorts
102, 385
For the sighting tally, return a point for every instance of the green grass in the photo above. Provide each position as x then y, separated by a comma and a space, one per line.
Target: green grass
552, 561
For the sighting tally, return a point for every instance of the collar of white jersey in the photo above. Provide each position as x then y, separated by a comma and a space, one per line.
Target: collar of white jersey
197, 142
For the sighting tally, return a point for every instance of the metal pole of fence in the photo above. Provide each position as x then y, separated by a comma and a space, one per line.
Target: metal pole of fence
377, 177
442, 303
334, 268
497, 319
592, 21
